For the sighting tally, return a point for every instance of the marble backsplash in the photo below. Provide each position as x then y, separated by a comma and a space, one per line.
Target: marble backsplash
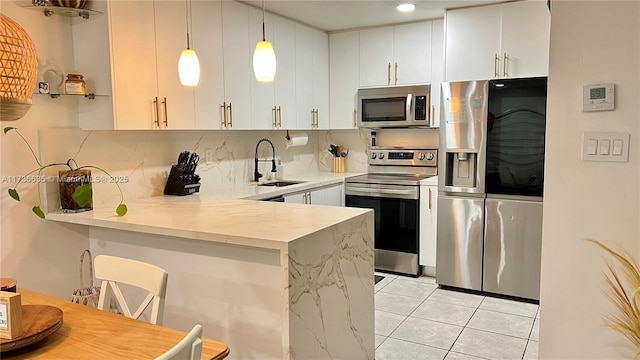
141, 160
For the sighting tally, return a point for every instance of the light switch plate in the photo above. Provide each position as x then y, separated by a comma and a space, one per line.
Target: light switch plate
605, 147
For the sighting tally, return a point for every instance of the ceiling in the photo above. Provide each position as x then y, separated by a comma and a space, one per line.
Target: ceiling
334, 15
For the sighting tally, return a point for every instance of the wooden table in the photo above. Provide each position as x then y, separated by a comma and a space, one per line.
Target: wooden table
88, 333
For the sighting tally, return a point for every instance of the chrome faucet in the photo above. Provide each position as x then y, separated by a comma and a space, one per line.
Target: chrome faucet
256, 174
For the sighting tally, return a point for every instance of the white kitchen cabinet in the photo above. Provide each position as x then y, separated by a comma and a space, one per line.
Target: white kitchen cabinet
344, 79
206, 40
428, 228
395, 55
437, 69
146, 40
312, 78
238, 57
329, 196
497, 41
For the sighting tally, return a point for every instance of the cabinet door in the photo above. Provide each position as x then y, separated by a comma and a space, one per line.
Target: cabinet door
237, 64
331, 196
135, 84
206, 40
428, 227
437, 69
525, 39
376, 56
177, 104
304, 77
412, 54
320, 78
344, 65
262, 94
296, 198
284, 44
472, 43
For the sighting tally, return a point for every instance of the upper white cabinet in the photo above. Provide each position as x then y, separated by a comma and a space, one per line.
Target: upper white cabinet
146, 40
206, 40
312, 78
498, 41
344, 78
238, 57
284, 44
395, 55
437, 69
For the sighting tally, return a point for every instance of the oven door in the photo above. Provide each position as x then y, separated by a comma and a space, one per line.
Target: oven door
396, 212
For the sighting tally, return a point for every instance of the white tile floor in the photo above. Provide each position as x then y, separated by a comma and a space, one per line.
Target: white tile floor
415, 320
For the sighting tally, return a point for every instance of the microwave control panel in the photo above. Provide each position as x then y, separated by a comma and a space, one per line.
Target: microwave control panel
421, 107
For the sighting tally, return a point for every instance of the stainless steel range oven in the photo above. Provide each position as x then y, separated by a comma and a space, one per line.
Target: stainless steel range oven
392, 189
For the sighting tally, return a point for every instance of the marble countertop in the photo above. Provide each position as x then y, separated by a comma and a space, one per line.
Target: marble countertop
227, 215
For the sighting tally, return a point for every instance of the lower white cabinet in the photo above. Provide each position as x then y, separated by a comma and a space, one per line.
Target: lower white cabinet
428, 230
331, 196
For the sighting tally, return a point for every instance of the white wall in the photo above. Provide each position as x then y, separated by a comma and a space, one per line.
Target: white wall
591, 42
41, 255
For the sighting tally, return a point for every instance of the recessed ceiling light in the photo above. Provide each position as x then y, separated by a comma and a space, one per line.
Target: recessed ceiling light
406, 7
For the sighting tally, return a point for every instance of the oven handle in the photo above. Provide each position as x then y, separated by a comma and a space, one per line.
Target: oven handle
391, 193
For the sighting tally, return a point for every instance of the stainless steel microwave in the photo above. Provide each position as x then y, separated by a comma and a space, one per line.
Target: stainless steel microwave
397, 106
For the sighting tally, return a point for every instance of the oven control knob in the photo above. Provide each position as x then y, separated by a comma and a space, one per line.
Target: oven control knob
430, 156
374, 155
381, 156
421, 156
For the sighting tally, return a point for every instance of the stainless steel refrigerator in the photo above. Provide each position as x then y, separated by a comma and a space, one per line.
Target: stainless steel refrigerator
490, 185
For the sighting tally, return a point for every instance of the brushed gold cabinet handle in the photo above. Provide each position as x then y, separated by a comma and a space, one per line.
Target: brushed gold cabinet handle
429, 198
316, 122
505, 61
230, 115
273, 116
155, 107
223, 113
388, 73
396, 74
279, 116
496, 59
355, 118
166, 115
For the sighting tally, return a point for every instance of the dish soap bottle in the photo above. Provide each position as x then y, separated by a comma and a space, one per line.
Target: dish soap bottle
279, 169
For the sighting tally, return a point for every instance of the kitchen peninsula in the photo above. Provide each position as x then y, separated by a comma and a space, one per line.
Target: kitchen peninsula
271, 280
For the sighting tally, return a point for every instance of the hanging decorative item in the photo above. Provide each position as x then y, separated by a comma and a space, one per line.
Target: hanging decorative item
18, 70
188, 64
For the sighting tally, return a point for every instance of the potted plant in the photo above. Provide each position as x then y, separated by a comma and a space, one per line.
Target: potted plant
76, 193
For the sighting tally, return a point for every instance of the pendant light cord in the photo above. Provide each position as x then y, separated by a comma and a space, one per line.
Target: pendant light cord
263, 37
187, 16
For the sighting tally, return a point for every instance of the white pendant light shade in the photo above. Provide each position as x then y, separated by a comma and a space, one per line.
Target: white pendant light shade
264, 62
189, 68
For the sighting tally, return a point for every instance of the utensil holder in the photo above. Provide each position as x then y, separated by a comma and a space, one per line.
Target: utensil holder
339, 165
176, 187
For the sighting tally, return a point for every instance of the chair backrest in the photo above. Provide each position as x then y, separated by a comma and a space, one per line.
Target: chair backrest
189, 348
114, 270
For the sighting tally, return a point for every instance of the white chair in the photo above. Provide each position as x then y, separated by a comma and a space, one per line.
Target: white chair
114, 270
189, 348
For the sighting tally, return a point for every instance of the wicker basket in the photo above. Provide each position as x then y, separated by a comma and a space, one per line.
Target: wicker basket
18, 70
86, 295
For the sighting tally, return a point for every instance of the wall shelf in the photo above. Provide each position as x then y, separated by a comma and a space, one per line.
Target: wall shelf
62, 11
88, 96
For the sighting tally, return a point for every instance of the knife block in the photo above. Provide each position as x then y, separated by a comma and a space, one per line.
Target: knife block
175, 186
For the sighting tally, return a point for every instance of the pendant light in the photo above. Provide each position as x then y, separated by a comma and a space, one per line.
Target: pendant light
188, 65
264, 59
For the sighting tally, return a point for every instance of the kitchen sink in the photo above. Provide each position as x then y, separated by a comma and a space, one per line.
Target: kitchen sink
280, 183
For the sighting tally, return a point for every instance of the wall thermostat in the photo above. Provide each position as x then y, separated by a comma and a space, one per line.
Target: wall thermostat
598, 97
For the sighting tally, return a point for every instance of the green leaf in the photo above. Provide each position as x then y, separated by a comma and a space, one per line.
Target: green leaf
121, 210
36, 210
8, 128
82, 195
14, 194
